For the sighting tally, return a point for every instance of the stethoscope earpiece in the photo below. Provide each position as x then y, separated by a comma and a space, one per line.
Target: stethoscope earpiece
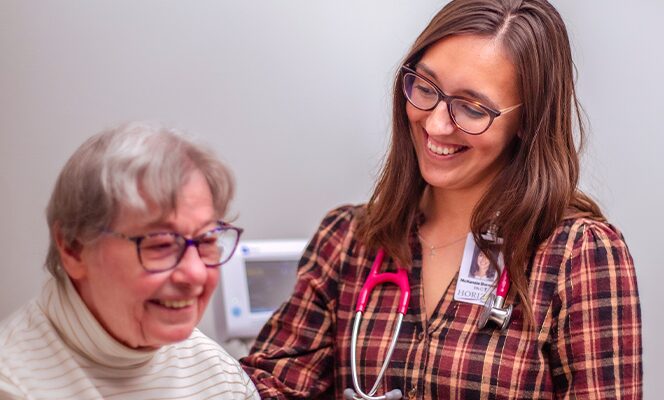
394, 394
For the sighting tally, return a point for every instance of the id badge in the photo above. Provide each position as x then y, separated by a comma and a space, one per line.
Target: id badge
477, 277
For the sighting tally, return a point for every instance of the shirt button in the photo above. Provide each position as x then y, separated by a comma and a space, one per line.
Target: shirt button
420, 336
412, 394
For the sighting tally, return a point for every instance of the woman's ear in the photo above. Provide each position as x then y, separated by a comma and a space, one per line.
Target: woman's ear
70, 255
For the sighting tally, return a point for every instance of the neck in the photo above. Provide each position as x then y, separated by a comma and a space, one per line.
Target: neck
448, 212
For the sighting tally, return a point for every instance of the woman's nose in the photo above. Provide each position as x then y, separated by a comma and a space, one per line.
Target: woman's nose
439, 121
191, 269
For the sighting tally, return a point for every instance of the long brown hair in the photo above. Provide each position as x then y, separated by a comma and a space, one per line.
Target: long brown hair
538, 187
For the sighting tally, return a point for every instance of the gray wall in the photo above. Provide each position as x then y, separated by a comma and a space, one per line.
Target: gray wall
294, 96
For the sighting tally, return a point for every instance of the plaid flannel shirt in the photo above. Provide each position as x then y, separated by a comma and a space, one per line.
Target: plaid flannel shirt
586, 343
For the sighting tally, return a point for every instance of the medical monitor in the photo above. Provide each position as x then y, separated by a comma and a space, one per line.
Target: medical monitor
253, 284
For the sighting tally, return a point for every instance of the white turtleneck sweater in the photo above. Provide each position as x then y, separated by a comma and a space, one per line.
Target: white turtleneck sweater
54, 348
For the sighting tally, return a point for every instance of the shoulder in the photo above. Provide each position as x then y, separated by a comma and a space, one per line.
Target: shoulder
589, 228
589, 255
341, 220
199, 358
573, 236
335, 233
27, 340
584, 250
22, 329
599, 253
333, 244
584, 237
201, 348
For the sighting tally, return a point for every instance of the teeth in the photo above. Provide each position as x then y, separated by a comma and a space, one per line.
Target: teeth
176, 303
443, 150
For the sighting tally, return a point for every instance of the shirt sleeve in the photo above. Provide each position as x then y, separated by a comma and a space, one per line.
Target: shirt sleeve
293, 356
596, 349
251, 393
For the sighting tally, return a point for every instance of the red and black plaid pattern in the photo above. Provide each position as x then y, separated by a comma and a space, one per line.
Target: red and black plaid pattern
586, 343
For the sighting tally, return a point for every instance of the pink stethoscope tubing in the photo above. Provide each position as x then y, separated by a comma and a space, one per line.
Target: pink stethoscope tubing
493, 311
399, 278
503, 284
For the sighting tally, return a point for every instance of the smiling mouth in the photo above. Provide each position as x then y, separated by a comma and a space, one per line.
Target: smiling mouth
174, 304
445, 150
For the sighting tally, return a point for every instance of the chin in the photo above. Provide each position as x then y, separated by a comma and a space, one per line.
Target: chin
169, 335
438, 179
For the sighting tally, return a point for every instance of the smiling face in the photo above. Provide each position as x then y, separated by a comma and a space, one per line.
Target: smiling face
142, 309
476, 68
483, 264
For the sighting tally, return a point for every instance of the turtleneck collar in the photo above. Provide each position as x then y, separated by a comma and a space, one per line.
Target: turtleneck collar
82, 332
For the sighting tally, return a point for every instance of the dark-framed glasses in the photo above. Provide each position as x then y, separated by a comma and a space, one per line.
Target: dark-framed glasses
468, 115
162, 251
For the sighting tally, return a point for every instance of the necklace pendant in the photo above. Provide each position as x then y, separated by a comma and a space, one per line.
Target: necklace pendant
432, 252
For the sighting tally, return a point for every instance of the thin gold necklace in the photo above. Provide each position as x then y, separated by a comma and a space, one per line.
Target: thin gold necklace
432, 249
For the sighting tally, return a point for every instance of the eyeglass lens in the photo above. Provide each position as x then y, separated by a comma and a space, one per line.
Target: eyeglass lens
162, 251
468, 116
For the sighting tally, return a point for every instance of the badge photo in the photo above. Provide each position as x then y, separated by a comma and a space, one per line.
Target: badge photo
477, 275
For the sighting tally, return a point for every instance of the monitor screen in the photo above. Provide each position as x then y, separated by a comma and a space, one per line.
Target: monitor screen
270, 283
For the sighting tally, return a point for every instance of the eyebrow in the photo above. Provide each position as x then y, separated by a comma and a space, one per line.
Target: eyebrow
167, 226
482, 98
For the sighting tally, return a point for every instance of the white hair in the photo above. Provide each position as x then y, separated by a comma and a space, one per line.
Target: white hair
127, 166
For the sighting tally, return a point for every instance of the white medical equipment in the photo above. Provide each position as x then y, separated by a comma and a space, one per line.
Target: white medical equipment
253, 284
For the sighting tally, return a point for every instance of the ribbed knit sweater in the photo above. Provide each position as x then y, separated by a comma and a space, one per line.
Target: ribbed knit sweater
54, 348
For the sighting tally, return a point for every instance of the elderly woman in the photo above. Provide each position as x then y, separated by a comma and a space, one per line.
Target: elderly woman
137, 238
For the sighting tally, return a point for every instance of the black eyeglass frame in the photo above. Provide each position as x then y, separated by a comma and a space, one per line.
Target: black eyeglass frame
196, 241
493, 114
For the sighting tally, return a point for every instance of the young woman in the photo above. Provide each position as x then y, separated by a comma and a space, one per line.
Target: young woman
481, 269
482, 141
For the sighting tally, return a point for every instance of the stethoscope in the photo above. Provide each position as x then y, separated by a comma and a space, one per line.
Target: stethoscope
493, 311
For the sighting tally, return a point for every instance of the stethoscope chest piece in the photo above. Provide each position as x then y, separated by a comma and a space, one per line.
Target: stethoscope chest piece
494, 309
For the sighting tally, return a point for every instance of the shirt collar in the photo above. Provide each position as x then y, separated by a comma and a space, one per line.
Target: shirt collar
81, 331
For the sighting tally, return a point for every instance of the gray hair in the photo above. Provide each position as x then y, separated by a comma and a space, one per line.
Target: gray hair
128, 166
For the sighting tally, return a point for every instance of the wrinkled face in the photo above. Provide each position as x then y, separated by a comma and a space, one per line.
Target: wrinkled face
476, 68
142, 309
